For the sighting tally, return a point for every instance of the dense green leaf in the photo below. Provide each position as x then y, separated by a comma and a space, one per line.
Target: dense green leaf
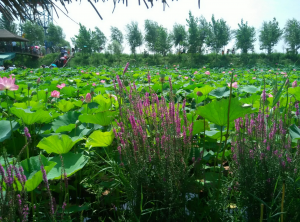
5, 129
100, 139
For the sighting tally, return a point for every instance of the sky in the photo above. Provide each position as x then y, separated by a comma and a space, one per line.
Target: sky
232, 11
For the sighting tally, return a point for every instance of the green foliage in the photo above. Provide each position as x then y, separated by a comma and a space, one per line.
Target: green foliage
269, 36
8, 24
100, 139
5, 130
34, 33
292, 34
245, 37
151, 35
84, 39
219, 34
55, 35
134, 36
179, 36
99, 40
116, 35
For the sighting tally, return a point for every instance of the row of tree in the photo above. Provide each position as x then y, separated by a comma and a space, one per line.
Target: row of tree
35, 33
200, 35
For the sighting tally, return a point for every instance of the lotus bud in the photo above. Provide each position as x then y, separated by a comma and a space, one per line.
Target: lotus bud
199, 93
38, 80
88, 98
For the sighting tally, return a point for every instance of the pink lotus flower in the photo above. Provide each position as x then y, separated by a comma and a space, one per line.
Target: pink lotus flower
207, 73
8, 84
186, 77
294, 70
283, 73
195, 72
31, 72
204, 67
294, 84
61, 85
102, 81
94, 84
157, 73
285, 76
235, 75
179, 76
270, 70
270, 95
278, 69
174, 65
88, 98
234, 85
12, 74
113, 96
193, 80
223, 72
97, 73
254, 78
55, 94
229, 72
82, 71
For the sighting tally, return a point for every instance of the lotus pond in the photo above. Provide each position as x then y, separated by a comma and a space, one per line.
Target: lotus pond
150, 144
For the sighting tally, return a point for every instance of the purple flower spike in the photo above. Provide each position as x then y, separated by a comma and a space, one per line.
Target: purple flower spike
126, 67
27, 134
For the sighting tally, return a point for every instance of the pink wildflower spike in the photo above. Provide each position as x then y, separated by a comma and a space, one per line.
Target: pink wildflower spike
55, 94
8, 84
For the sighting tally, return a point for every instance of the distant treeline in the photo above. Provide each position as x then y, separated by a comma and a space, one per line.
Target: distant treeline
189, 60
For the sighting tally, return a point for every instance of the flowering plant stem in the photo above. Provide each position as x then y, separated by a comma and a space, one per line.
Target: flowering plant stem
226, 136
282, 201
12, 132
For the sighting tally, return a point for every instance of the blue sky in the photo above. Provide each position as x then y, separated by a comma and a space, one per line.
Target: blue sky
232, 11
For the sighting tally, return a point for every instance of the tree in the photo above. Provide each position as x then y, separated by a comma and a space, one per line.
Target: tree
198, 31
163, 42
151, 34
193, 31
219, 34
84, 39
56, 36
34, 33
134, 36
179, 36
245, 37
270, 34
99, 40
8, 25
292, 34
116, 35
115, 47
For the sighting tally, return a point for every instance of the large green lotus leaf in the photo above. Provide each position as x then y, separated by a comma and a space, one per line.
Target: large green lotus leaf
214, 134
33, 105
5, 129
41, 95
205, 90
9, 160
217, 111
102, 118
80, 131
220, 92
198, 126
296, 92
250, 89
71, 163
104, 104
32, 170
100, 139
68, 91
65, 122
294, 132
29, 117
64, 105
250, 100
58, 144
